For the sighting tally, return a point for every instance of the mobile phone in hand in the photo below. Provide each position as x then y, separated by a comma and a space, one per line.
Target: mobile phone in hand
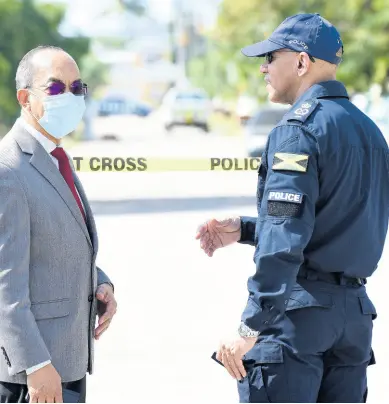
216, 360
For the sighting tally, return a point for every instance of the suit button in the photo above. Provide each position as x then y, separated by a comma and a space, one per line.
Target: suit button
90, 298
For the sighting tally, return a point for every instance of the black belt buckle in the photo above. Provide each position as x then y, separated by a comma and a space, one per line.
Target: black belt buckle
361, 281
347, 280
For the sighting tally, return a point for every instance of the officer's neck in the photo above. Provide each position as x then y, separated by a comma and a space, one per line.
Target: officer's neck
305, 85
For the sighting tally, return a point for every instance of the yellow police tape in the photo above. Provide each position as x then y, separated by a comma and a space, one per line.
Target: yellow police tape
146, 164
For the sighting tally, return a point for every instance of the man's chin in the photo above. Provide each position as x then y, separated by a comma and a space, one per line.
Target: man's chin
275, 97
272, 97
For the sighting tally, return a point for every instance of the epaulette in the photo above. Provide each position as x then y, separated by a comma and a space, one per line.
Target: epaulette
302, 111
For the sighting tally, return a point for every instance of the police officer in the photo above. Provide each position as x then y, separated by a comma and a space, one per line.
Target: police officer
322, 199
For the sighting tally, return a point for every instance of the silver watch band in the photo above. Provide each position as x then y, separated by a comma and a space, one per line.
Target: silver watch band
245, 331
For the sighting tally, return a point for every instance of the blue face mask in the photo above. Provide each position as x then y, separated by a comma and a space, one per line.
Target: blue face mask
63, 113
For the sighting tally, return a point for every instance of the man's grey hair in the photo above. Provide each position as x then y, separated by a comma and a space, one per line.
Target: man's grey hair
25, 71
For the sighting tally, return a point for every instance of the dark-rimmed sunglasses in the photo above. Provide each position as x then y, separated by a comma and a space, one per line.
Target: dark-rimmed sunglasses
58, 87
270, 57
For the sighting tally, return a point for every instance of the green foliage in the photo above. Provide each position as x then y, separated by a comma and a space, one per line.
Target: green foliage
363, 25
94, 73
23, 26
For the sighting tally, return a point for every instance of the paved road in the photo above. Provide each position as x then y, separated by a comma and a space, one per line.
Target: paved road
175, 302
152, 141
191, 144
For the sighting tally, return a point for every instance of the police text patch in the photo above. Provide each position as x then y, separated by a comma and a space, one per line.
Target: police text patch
280, 203
290, 162
285, 197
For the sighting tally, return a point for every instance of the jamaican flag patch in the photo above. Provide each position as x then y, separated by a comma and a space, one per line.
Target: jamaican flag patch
290, 162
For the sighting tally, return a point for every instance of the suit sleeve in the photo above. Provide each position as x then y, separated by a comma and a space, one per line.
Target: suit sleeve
247, 225
285, 225
102, 277
20, 338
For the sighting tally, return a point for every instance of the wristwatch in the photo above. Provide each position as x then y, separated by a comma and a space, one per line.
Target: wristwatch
246, 331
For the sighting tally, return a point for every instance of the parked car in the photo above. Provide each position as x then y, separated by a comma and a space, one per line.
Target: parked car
189, 107
257, 128
118, 118
123, 106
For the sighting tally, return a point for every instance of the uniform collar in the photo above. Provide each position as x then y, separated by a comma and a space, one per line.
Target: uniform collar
46, 143
324, 89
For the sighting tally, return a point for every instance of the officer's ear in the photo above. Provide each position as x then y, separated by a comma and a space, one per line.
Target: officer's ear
303, 63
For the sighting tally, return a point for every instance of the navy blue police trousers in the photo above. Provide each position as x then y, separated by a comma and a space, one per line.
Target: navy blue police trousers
319, 351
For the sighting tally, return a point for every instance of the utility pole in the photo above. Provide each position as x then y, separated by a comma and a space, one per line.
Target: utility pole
181, 36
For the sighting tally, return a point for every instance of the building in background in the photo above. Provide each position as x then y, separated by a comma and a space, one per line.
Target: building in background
146, 53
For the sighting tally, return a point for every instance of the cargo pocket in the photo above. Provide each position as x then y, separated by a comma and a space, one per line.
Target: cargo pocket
307, 311
265, 381
301, 298
367, 306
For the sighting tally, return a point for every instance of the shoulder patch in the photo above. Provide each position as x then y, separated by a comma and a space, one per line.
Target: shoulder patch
285, 197
290, 162
302, 111
283, 203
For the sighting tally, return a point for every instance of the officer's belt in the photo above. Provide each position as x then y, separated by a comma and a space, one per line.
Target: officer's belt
337, 278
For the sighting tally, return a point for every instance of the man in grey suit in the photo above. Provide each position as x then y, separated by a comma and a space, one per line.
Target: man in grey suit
51, 291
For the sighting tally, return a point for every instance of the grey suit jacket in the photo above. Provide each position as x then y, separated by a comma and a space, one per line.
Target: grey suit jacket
48, 275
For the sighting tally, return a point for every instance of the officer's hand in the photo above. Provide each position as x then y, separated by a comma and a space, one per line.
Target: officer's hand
230, 353
215, 233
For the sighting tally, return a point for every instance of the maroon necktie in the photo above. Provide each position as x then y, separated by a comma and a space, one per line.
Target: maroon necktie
67, 174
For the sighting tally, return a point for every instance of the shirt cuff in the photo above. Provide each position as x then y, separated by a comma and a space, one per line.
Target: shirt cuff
37, 367
259, 319
247, 230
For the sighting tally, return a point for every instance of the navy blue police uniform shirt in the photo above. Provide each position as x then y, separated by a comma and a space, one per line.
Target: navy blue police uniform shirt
323, 198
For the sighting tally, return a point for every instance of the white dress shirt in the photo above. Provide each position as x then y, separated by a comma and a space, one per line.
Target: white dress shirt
49, 146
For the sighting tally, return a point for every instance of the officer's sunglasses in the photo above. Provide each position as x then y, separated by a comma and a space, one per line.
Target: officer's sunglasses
270, 56
56, 87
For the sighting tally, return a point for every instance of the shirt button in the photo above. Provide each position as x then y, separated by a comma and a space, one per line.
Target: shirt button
286, 302
90, 298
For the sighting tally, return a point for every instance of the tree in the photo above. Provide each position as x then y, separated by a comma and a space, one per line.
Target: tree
23, 26
363, 25
95, 74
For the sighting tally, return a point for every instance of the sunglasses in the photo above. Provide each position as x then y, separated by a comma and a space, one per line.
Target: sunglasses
57, 87
270, 57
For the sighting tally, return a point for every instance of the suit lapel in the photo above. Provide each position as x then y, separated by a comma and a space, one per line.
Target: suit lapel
42, 162
88, 211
